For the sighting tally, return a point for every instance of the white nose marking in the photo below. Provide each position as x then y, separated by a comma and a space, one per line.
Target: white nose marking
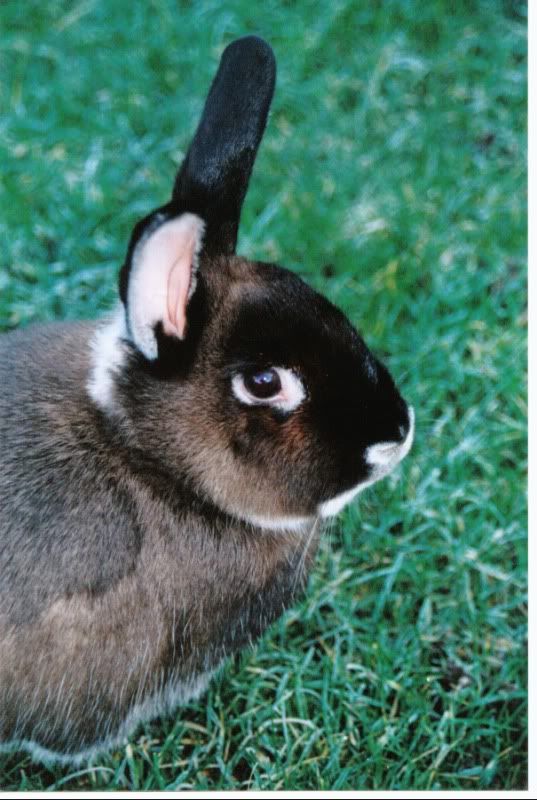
388, 454
383, 457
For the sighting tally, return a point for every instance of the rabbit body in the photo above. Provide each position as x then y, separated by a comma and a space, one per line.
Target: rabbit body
121, 591
164, 472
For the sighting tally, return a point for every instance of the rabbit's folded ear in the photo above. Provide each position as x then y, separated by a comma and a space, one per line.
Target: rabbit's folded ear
158, 276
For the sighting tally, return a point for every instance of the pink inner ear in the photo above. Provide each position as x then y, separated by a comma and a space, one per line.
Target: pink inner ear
182, 256
162, 281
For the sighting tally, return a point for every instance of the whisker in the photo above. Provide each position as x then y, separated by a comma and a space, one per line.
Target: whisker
303, 555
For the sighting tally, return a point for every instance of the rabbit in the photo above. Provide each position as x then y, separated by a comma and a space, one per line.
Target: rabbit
165, 472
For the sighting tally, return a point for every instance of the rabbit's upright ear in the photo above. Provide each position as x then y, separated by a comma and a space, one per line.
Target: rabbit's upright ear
158, 277
213, 179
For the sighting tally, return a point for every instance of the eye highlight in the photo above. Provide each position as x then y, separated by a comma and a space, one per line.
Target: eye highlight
276, 387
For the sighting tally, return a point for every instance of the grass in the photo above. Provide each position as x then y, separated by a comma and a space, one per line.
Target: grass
392, 178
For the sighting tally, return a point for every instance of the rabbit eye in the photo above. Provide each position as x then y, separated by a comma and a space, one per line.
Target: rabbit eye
277, 387
263, 384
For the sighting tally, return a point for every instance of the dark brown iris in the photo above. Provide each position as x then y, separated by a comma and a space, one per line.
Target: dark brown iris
263, 384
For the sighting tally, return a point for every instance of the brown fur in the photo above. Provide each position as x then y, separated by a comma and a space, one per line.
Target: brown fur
171, 603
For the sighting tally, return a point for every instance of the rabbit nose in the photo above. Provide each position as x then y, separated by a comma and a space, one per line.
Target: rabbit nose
385, 455
407, 424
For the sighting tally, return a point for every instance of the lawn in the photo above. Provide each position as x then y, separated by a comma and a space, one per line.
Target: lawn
392, 178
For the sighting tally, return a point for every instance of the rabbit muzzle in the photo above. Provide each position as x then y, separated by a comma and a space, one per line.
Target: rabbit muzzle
381, 458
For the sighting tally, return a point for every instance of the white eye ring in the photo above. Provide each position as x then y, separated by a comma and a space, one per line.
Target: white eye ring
291, 394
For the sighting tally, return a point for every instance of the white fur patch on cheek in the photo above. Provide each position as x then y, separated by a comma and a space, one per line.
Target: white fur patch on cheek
107, 357
162, 280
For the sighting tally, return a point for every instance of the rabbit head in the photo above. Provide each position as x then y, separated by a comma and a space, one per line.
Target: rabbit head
241, 381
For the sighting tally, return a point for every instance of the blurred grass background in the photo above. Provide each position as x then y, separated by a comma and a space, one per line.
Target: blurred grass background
392, 177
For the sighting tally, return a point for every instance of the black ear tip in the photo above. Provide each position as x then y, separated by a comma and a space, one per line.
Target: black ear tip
253, 49
251, 44
213, 178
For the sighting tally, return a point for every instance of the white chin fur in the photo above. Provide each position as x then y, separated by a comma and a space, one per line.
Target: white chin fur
332, 507
279, 523
382, 457
107, 357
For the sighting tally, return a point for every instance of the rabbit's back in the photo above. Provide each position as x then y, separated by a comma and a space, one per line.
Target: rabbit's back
63, 511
